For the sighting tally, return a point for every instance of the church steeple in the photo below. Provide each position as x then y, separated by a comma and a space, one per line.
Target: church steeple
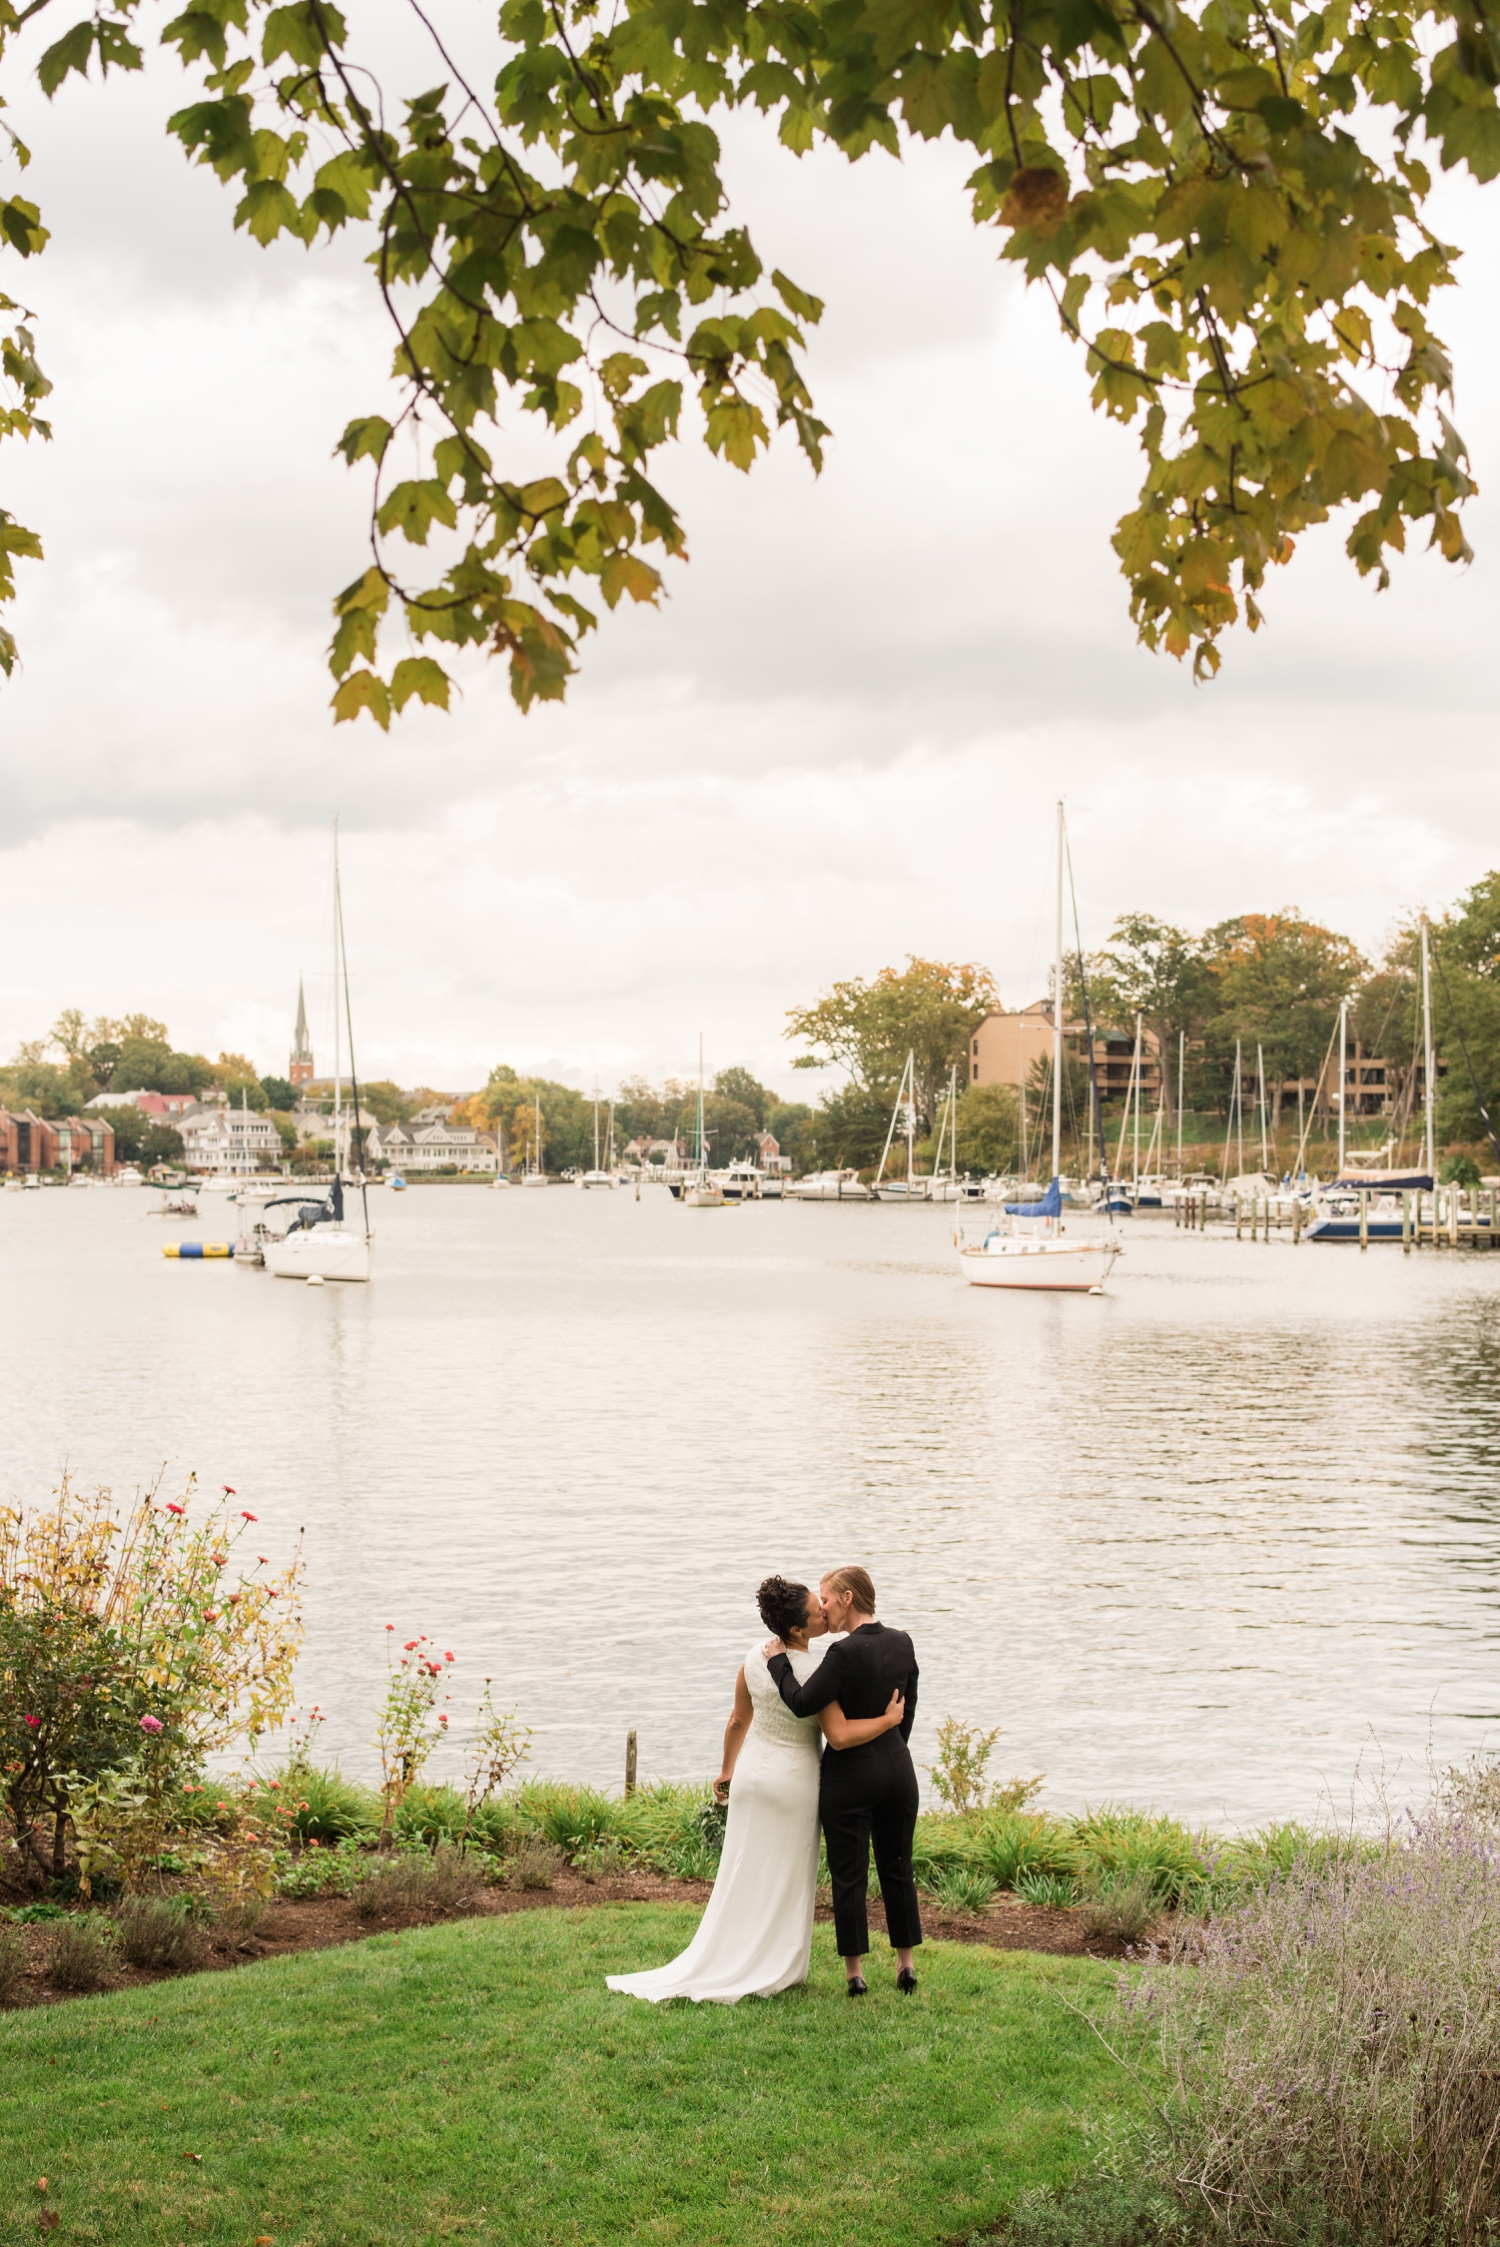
300, 1067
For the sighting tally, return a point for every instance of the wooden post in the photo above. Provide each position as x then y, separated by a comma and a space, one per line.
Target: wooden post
1406, 1224
1453, 1200
630, 1763
1296, 1224
1364, 1221
1239, 1218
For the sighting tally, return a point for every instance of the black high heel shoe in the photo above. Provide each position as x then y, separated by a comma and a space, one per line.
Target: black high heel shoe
858, 1986
906, 1981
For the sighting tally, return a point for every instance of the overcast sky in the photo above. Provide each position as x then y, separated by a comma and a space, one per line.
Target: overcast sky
839, 742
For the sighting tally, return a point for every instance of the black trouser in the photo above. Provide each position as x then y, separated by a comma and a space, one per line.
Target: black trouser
870, 1794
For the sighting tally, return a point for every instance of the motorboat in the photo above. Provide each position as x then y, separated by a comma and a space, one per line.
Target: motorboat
904, 1190
741, 1182
129, 1176
1337, 1213
828, 1186
591, 1178
705, 1193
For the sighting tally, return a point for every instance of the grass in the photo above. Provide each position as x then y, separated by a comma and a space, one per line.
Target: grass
477, 2082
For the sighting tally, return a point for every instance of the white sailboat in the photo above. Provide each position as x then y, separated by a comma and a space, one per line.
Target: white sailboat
700, 1191
326, 1241
910, 1188
534, 1174
1033, 1254
596, 1176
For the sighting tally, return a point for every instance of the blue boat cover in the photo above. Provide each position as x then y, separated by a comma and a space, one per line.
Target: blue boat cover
1050, 1204
1384, 1182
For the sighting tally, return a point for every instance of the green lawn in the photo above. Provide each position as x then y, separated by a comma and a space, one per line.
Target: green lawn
478, 2082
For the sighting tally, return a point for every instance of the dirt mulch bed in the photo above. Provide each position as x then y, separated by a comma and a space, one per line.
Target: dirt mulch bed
291, 1924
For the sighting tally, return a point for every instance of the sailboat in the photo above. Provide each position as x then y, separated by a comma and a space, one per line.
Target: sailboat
326, 1241
1036, 1256
700, 1191
910, 1188
1367, 1205
596, 1176
534, 1174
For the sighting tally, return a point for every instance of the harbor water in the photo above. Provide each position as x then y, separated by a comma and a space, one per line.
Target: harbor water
1212, 1542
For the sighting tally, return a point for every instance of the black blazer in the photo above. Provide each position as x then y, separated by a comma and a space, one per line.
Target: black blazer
861, 1673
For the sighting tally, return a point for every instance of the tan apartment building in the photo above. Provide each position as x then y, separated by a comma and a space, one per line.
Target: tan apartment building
1007, 1045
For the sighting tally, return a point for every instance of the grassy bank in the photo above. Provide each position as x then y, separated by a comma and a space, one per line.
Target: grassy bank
477, 2082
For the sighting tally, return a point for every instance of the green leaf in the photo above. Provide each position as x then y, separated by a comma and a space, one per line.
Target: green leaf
268, 210
362, 690
809, 308
71, 52
418, 675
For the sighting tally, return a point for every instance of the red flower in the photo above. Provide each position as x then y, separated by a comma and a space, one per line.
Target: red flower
243, 1515
230, 1491
390, 1626
447, 1657
411, 1642
32, 1723
210, 1615
171, 1509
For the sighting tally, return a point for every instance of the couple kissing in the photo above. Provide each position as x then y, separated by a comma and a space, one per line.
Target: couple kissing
818, 1735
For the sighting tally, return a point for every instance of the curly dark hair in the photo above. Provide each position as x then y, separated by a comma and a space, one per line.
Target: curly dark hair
783, 1606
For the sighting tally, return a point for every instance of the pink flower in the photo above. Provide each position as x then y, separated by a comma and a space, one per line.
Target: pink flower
32, 1723
151, 1724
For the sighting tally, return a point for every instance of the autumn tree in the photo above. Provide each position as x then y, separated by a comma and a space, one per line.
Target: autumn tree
929, 1008
1226, 204
1278, 984
1156, 971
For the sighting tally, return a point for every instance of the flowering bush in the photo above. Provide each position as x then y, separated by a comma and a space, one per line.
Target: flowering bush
411, 1723
133, 1644
1332, 2046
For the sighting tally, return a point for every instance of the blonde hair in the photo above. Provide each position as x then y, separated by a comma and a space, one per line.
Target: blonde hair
855, 1584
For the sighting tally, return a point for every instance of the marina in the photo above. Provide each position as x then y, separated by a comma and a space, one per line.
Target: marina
1204, 1541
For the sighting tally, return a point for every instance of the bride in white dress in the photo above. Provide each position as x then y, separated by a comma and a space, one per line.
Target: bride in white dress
756, 1935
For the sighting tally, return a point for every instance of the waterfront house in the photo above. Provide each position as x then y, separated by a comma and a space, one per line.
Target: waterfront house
433, 1145
218, 1138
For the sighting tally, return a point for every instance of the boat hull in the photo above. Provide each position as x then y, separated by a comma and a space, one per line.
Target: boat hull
1050, 1267
325, 1252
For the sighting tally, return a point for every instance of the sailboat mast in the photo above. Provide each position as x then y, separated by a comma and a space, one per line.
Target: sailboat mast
1181, 1060
702, 1172
1343, 1076
338, 1051
1135, 1145
1057, 1008
1428, 1068
1260, 1073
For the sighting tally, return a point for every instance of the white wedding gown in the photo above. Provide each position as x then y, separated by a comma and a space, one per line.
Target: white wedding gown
756, 1935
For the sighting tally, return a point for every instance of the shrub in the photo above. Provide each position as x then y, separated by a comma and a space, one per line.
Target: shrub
572, 1818
960, 1773
12, 1961
431, 1814
1334, 2055
321, 1872
1116, 1846
81, 1953
536, 1864
158, 1931
324, 1806
1100, 2212
1057, 1890
131, 1647
1122, 1910
963, 1888
1010, 1845
602, 1861
416, 1883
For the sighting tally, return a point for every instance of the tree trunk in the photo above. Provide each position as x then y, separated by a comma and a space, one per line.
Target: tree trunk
59, 1844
